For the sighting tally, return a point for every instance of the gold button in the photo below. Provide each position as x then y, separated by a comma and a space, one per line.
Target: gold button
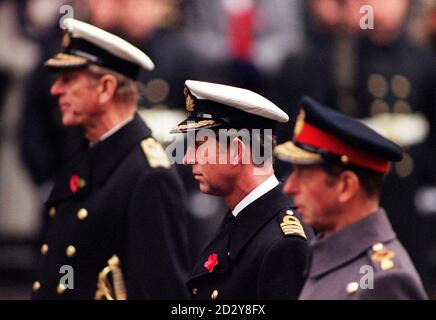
378, 107
157, 90
378, 86
405, 167
61, 288
345, 159
71, 251
194, 291
36, 286
290, 212
401, 86
352, 287
82, 214
214, 295
402, 107
377, 247
44, 249
52, 212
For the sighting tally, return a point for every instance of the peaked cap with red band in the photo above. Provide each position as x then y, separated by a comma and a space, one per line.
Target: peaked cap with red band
324, 135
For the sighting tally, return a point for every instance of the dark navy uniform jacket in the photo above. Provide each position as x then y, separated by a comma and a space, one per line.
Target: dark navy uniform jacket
251, 257
363, 261
119, 197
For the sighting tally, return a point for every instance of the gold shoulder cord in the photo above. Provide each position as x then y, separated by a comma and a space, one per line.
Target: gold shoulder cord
105, 291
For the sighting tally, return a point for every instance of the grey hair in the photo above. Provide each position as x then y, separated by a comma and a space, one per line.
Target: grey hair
127, 91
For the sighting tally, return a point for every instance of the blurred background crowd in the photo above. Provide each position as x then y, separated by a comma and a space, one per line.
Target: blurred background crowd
282, 49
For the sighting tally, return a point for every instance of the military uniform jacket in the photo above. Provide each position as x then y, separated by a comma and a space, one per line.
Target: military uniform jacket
363, 261
119, 197
251, 258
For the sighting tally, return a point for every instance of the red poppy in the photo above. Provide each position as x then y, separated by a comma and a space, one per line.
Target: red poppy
211, 262
74, 183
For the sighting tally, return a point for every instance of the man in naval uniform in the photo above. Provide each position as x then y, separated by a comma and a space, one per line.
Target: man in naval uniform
119, 196
339, 167
260, 250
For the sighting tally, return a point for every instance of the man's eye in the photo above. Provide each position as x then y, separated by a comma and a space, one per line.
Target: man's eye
67, 78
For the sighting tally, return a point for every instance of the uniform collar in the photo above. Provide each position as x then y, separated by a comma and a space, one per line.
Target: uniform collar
93, 165
114, 129
256, 193
254, 217
338, 249
107, 154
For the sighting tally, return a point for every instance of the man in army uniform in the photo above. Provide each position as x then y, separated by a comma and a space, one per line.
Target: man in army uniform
339, 166
383, 76
119, 196
260, 250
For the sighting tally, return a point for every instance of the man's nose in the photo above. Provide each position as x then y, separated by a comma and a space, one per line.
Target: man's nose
57, 88
291, 186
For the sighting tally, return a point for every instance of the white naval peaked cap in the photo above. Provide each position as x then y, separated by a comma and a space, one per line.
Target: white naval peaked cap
215, 105
242, 99
85, 44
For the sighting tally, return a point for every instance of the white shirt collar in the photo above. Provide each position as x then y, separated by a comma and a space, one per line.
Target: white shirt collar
113, 130
258, 192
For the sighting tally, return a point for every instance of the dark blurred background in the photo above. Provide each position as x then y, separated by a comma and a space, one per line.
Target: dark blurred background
282, 49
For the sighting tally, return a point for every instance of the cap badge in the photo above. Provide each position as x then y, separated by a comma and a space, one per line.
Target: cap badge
190, 103
299, 123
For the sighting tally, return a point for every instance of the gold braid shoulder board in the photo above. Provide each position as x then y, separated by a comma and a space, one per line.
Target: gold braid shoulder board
291, 226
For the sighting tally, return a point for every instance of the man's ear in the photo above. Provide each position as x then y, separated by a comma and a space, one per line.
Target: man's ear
238, 151
348, 185
107, 86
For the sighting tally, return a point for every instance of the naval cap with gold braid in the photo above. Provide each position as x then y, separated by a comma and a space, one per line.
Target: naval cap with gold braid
212, 105
85, 44
325, 135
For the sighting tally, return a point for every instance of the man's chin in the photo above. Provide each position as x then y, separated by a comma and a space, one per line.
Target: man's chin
69, 122
204, 188
306, 218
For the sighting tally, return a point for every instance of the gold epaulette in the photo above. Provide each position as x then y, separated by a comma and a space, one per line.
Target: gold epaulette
155, 153
381, 254
291, 226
